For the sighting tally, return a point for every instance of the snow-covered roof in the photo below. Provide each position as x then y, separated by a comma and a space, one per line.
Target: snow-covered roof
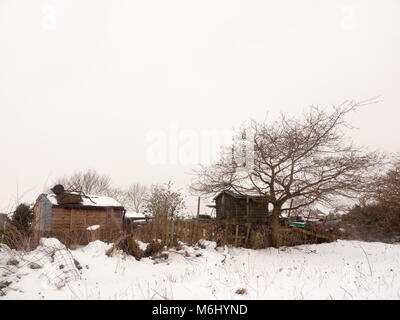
89, 201
92, 228
311, 219
250, 194
321, 213
131, 214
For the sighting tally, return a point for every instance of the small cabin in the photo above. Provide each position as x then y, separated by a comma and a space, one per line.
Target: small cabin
74, 211
230, 205
314, 215
134, 219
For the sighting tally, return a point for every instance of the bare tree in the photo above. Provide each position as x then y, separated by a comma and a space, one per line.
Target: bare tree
136, 196
388, 187
164, 202
118, 194
307, 159
89, 182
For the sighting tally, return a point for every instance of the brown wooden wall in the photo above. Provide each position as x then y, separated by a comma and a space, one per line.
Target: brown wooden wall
228, 207
79, 219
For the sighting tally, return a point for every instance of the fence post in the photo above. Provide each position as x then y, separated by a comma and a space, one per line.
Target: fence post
153, 231
166, 232
192, 227
170, 235
226, 232
182, 231
236, 235
196, 231
185, 231
198, 207
178, 231
247, 234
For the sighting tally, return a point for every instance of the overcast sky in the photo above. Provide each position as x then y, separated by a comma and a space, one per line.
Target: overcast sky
84, 84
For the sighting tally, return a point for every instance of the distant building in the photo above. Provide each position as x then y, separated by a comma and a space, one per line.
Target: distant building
314, 214
230, 205
132, 218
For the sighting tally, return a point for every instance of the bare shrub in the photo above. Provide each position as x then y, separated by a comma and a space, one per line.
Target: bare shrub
242, 291
164, 202
144, 231
260, 237
154, 248
20, 239
373, 222
129, 245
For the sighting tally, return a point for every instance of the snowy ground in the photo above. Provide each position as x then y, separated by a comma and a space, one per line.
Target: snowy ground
339, 270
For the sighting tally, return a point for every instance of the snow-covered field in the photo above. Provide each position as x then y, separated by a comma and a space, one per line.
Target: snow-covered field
339, 270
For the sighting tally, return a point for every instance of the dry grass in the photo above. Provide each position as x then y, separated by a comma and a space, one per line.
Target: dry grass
20, 239
372, 223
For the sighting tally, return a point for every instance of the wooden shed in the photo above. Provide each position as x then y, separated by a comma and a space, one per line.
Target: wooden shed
74, 211
230, 205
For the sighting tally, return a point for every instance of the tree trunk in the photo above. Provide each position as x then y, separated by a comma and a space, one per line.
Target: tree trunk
275, 226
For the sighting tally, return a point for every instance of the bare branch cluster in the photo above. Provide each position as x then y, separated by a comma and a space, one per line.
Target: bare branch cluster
89, 182
308, 159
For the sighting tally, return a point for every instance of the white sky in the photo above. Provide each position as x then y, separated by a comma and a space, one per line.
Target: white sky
82, 83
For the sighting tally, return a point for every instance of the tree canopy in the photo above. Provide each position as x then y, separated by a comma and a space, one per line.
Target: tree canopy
307, 159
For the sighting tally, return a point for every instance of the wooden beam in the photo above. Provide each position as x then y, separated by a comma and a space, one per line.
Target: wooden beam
198, 207
247, 206
223, 205
70, 224
247, 233
236, 235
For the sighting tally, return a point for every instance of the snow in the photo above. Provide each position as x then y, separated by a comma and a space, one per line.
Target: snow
338, 270
142, 245
131, 214
91, 228
90, 201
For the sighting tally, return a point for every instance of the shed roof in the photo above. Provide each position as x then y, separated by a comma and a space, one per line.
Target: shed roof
131, 214
251, 195
89, 201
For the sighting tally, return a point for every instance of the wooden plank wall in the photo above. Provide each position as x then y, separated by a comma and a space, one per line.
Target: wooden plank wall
78, 219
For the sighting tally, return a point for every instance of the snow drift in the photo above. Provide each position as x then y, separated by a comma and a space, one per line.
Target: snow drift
338, 270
